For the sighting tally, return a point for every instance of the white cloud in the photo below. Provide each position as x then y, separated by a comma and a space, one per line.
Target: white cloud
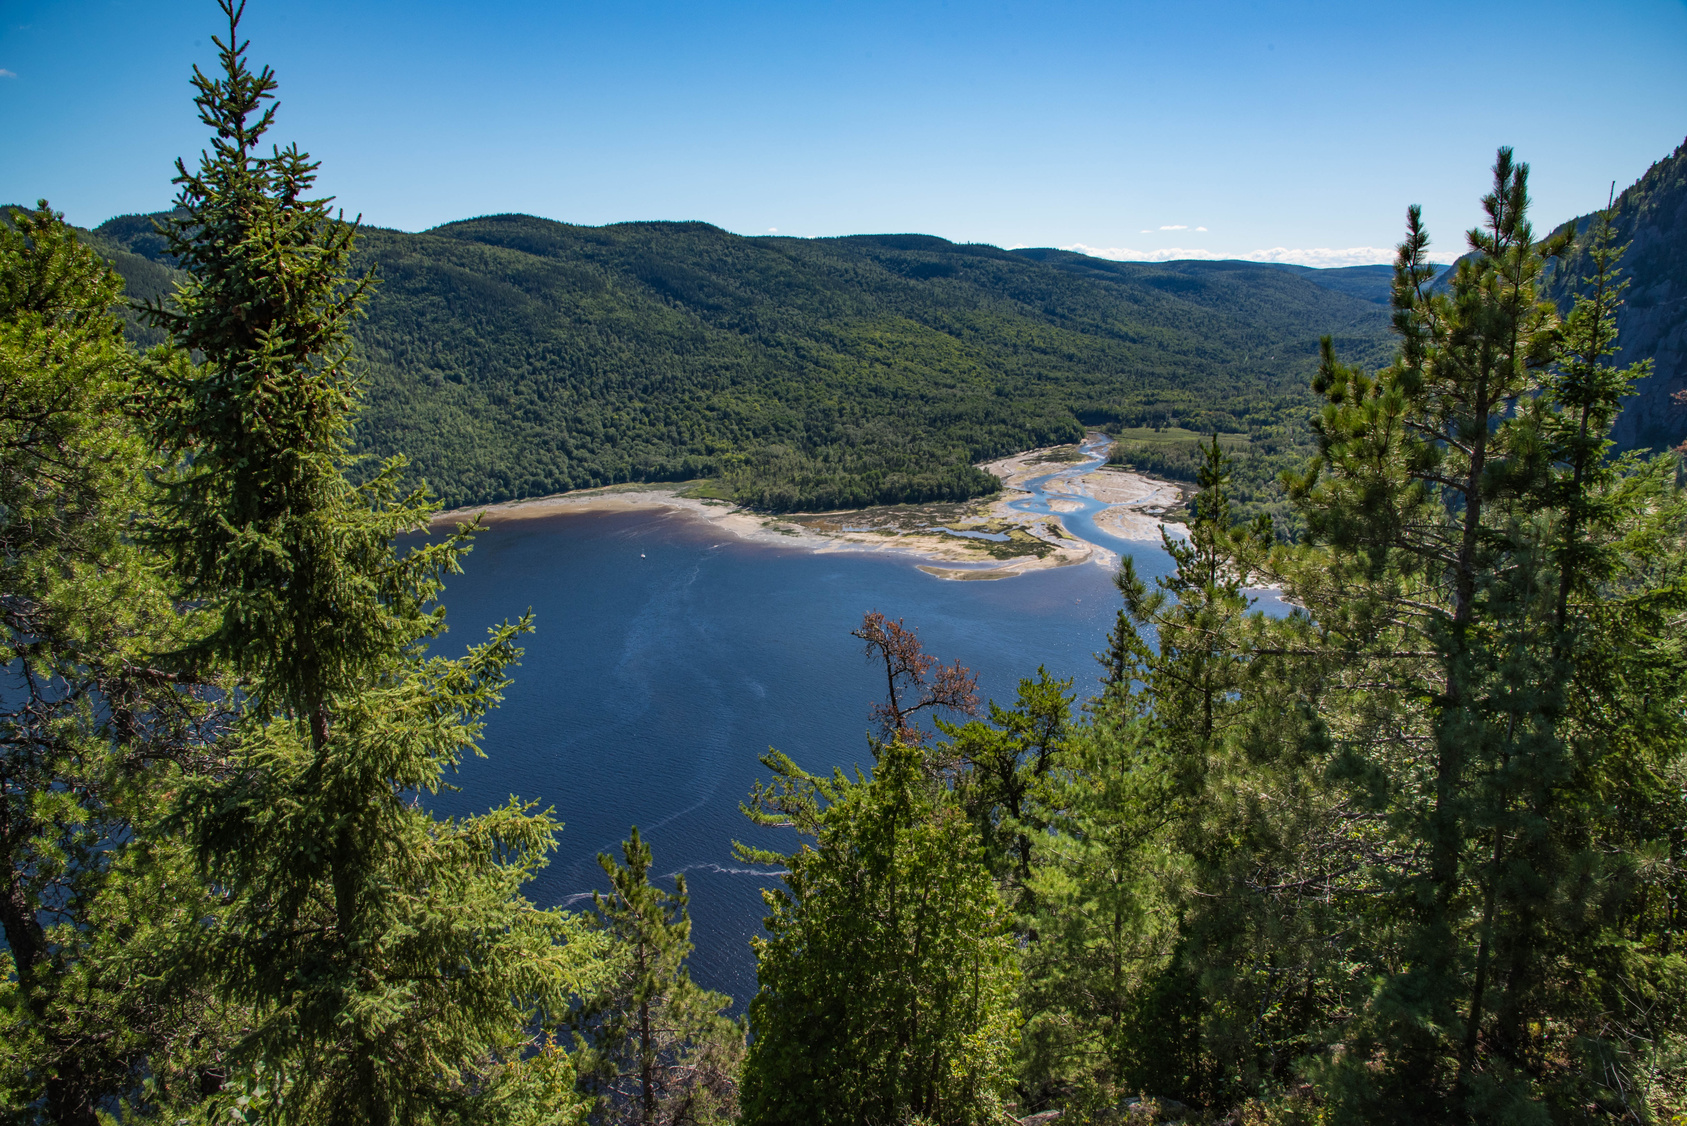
1321, 257
1200, 228
1126, 254
773, 230
1169, 227
1324, 256
4, 73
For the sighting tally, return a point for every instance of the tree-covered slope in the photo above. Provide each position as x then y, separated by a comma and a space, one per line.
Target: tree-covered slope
1651, 216
1373, 283
511, 356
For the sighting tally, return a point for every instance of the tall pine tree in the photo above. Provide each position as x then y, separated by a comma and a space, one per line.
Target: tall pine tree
1463, 551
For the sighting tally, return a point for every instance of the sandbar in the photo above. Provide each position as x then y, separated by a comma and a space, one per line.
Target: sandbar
970, 542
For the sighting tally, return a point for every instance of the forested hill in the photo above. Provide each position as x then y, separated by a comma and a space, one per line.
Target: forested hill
1651, 216
511, 356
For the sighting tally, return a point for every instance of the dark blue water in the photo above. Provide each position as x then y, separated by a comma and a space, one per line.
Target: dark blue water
667, 658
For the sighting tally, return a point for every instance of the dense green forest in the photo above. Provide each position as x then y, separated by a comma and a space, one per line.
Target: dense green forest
510, 356
1415, 852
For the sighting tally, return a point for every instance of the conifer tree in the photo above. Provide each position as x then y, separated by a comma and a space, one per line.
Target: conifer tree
92, 733
1192, 614
1582, 395
1455, 574
1412, 503
885, 987
659, 1049
1391, 843
1201, 854
394, 969
1595, 794
1001, 764
1102, 991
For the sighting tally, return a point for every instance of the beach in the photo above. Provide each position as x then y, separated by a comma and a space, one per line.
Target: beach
970, 541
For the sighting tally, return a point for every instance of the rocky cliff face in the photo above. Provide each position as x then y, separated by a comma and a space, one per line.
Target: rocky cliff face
1652, 218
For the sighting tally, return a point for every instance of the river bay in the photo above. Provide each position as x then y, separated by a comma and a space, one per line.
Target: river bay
667, 657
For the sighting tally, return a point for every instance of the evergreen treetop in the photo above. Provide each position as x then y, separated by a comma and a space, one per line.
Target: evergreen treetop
394, 969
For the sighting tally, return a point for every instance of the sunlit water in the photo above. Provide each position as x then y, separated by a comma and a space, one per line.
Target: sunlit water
667, 658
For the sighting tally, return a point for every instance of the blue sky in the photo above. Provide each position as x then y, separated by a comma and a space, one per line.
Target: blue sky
1297, 131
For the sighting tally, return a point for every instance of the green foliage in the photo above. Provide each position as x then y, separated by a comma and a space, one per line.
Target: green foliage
885, 987
1403, 855
1096, 1028
1421, 470
92, 734
1001, 763
1413, 852
1647, 217
1124, 994
656, 1048
260, 521
510, 356
1192, 613
393, 970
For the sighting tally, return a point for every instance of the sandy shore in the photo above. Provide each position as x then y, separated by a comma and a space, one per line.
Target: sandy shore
983, 540
1137, 504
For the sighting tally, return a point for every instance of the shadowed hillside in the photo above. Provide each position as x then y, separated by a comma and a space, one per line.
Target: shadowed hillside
1651, 216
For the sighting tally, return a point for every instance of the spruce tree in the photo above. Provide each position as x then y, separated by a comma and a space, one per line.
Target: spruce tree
393, 967
885, 985
657, 1048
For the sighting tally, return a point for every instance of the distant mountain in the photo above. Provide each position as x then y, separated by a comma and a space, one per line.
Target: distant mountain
1372, 283
1368, 283
1652, 218
511, 356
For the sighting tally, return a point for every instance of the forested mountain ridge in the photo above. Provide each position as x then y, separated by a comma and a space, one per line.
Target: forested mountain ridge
1651, 216
511, 356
